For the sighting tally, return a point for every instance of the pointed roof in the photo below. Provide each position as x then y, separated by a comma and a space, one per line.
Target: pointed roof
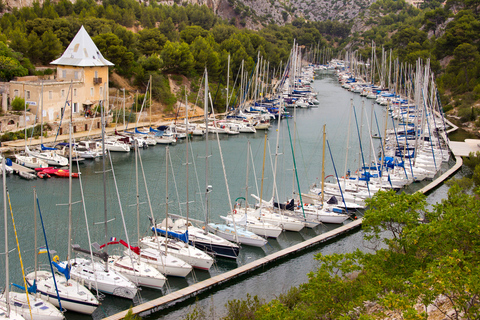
82, 52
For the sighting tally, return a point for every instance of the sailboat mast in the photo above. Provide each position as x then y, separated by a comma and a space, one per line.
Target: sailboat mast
70, 146
323, 165
228, 81
167, 154
186, 153
246, 182
150, 100
263, 166
105, 249
41, 117
205, 106
136, 186
7, 270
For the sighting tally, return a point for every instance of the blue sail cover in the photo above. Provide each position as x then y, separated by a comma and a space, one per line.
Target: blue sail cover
154, 130
8, 162
31, 289
180, 236
139, 132
65, 271
47, 148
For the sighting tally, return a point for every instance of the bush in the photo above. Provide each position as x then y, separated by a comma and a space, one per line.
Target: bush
18, 104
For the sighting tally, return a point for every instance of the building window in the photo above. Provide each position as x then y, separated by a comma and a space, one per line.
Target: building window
50, 95
15, 93
101, 91
96, 74
75, 107
64, 73
76, 75
74, 92
91, 92
27, 95
63, 93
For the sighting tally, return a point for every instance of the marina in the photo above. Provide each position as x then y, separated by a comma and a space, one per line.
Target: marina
235, 151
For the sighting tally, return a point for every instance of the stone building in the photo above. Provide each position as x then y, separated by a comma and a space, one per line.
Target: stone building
81, 82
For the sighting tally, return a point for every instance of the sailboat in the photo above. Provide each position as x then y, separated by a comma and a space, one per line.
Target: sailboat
182, 250
26, 160
184, 230
5, 309
58, 288
230, 232
93, 273
165, 262
130, 265
25, 303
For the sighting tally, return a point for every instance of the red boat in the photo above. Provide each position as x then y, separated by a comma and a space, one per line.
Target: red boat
64, 173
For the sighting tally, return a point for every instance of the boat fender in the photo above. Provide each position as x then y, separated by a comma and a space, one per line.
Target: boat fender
56, 258
234, 211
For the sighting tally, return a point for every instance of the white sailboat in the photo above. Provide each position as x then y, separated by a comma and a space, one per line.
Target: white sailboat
129, 265
182, 250
5, 309
93, 273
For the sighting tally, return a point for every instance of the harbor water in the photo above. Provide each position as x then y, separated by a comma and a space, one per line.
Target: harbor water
303, 136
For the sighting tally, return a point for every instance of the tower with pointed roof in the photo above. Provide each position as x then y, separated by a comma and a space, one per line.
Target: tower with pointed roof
81, 80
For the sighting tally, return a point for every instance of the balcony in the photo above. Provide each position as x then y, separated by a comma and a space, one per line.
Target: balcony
97, 80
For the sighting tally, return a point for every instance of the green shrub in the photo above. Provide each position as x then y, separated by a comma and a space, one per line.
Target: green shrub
18, 104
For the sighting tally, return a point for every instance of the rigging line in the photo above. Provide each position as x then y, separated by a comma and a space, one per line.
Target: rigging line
19, 256
86, 222
48, 251
296, 171
175, 185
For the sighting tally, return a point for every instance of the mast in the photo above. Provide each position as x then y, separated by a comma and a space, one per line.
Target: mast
7, 270
150, 97
70, 146
41, 117
207, 187
186, 156
105, 249
323, 165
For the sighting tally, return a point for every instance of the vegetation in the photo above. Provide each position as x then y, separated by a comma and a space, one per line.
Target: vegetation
423, 256
179, 39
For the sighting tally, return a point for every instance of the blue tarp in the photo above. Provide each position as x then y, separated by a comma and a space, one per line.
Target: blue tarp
180, 236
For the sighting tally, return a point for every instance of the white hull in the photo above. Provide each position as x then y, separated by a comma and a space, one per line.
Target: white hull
41, 310
228, 233
191, 255
139, 272
166, 264
93, 276
74, 296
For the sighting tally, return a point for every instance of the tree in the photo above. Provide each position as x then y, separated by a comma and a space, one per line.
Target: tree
464, 55
151, 41
191, 33
51, 47
167, 28
177, 58
34, 51
11, 68
19, 41
113, 50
